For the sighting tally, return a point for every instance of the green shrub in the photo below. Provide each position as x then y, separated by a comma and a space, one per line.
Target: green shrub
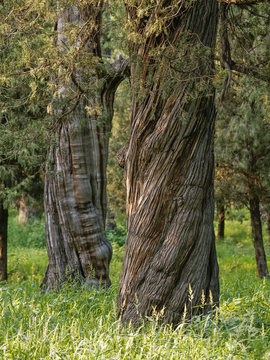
118, 235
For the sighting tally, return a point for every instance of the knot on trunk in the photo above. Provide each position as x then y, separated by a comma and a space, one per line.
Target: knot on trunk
121, 155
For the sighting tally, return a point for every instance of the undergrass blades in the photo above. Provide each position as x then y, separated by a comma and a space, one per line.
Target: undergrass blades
77, 323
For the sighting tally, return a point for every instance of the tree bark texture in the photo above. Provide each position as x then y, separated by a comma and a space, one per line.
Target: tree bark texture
3, 242
221, 221
255, 217
170, 256
75, 182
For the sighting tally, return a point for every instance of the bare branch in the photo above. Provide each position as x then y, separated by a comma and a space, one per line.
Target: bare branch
116, 72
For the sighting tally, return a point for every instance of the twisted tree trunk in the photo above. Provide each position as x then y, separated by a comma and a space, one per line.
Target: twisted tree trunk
75, 182
170, 257
3, 242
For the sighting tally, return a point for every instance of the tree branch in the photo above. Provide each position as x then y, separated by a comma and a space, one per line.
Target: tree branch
242, 2
121, 66
117, 72
246, 70
225, 52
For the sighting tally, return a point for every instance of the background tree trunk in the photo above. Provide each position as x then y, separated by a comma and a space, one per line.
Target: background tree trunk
255, 217
75, 182
23, 211
170, 256
3, 242
268, 227
221, 221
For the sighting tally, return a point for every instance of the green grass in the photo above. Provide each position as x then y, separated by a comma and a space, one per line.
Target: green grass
78, 324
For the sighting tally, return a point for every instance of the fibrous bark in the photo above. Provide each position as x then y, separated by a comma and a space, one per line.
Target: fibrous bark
170, 257
3, 242
75, 182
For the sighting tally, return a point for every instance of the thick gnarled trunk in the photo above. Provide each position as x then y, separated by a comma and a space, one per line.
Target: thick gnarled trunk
75, 182
3, 242
75, 204
255, 217
170, 248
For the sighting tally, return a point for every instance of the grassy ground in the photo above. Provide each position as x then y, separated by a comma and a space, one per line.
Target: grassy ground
78, 324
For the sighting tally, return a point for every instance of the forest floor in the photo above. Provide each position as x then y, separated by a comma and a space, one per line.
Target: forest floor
76, 323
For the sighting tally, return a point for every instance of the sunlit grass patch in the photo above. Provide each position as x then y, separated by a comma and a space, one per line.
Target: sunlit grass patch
30, 235
80, 323
26, 264
77, 324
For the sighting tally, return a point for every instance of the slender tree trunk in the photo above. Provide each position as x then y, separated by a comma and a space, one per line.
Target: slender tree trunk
3, 242
268, 227
170, 256
75, 182
255, 217
23, 211
221, 220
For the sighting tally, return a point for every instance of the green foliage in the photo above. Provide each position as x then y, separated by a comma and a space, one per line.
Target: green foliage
239, 215
26, 41
249, 37
32, 66
114, 34
118, 235
242, 142
80, 323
